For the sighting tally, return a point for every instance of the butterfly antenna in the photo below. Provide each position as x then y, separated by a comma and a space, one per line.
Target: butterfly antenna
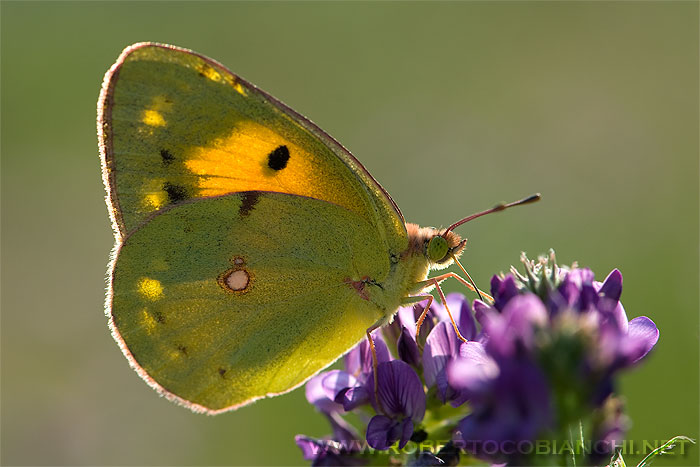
497, 208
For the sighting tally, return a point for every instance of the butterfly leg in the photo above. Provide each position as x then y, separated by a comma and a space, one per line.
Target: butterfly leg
473, 284
374, 365
419, 298
422, 316
429, 283
436, 282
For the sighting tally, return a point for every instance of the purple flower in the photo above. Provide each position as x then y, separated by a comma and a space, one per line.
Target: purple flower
461, 312
407, 348
553, 342
623, 343
472, 373
503, 289
608, 429
400, 403
608, 340
358, 362
510, 400
346, 390
576, 304
442, 346
407, 317
512, 332
321, 391
546, 358
459, 307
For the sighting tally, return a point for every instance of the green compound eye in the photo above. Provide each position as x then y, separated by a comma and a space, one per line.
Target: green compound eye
437, 248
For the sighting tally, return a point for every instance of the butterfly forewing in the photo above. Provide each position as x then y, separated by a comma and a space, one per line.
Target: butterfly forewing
176, 126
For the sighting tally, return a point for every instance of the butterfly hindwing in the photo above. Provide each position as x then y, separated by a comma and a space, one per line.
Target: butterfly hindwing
220, 301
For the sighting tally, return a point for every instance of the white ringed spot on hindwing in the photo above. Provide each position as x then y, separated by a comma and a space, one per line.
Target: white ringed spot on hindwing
237, 279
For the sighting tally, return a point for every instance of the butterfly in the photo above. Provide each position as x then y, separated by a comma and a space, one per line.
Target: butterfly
252, 249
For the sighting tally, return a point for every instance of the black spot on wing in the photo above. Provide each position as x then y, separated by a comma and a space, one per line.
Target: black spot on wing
249, 200
175, 192
166, 156
277, 159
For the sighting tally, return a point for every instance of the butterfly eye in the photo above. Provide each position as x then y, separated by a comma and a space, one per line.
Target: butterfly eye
437, 248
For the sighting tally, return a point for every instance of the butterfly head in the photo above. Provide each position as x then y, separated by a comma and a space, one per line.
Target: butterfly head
443, 248
440, 247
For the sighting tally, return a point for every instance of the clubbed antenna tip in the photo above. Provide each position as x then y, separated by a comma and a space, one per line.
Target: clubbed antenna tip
497, 208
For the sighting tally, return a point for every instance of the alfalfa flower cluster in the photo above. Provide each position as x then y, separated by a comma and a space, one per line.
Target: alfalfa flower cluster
539, 366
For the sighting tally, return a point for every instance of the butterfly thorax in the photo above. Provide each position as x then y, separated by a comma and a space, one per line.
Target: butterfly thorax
410, 269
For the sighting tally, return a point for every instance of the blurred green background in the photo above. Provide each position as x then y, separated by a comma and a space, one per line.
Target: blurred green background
451, 106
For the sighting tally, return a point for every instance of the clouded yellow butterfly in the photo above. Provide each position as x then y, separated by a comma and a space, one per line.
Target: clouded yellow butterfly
252, 249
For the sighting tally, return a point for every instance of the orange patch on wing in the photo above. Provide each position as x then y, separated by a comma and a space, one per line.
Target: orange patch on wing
240, 162
255, 158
